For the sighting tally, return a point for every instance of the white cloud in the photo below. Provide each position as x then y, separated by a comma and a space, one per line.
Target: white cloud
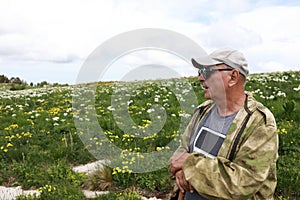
53, 30
230, 34
280, 37
57, 30
155, 63
273, 23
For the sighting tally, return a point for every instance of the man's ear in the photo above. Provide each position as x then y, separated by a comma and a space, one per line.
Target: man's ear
233, 78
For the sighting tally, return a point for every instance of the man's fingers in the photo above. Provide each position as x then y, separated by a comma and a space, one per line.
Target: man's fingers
178, 182
185, 184
182, 183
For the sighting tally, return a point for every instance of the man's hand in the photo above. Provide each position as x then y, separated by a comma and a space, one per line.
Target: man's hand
176, 162
182, 183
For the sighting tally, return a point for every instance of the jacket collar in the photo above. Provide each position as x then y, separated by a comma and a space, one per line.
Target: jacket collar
250, 104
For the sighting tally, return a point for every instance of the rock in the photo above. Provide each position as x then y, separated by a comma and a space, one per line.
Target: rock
10, 193
89, 168
93, 194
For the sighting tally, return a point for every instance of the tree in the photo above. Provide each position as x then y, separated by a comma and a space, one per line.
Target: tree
16, 80
4, 79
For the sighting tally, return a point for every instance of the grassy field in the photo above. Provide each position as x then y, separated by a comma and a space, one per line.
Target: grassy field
44, 132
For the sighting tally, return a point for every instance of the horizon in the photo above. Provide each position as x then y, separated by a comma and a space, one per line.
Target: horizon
141, 80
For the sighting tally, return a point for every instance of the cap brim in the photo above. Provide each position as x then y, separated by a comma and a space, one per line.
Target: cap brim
204, 62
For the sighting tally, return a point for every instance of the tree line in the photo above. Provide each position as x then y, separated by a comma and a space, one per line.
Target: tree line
19, 84
15, 80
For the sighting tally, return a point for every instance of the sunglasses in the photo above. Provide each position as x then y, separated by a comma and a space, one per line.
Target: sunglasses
207, 72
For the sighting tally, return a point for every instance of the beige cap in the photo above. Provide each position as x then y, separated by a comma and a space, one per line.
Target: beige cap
230, 57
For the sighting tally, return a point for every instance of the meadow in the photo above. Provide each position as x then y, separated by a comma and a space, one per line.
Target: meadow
134, 126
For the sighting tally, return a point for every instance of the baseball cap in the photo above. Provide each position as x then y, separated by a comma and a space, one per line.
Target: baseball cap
230, 57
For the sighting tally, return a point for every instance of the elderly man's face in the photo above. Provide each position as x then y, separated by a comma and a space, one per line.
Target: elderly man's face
213, 80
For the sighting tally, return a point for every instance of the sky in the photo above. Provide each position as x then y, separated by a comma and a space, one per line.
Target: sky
51, 40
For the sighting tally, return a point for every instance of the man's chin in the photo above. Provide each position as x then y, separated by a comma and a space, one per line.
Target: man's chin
207, 94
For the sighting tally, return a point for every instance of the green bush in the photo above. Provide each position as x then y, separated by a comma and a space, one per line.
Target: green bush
17, 87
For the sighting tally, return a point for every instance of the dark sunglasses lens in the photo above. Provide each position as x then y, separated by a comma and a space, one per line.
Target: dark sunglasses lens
205, 73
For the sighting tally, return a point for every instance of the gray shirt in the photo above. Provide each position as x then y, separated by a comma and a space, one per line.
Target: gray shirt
208, 139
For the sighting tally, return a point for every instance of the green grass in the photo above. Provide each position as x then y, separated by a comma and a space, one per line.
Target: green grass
39, 141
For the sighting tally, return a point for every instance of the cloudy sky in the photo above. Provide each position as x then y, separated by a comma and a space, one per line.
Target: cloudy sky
52, 39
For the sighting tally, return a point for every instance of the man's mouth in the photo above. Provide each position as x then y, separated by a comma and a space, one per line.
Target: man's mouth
205, 87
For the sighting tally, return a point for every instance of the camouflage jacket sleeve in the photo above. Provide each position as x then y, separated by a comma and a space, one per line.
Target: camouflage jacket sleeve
252, 173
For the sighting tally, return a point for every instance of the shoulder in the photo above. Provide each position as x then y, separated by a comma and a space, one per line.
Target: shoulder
268, 115
258, 109
205, 104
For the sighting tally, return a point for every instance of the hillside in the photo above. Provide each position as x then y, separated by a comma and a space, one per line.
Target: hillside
46, 131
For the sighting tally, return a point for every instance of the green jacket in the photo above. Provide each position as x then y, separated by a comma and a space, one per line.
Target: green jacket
252, 172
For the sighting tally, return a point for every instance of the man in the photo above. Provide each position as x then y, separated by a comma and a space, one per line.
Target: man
229, 149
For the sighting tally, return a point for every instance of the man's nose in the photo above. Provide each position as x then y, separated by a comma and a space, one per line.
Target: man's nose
201, 78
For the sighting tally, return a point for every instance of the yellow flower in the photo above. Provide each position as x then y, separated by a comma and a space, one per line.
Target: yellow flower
9, 144
30, 121
118, 169
141, 156
27, 134
11, 127
14, 126
54, 111
107, 133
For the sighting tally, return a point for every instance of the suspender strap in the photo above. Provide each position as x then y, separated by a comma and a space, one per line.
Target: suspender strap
200, 113
238, 137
